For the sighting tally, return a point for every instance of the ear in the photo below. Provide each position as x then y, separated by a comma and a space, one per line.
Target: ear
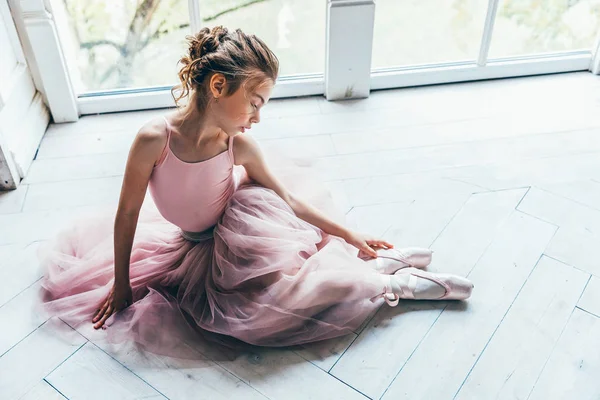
217, 85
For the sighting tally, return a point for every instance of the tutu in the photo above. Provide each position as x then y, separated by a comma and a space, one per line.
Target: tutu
260, 277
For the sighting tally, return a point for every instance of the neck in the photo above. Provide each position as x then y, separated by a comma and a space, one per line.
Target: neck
196, 125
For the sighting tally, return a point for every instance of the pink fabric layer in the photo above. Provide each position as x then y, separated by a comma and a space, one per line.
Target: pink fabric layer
265, 277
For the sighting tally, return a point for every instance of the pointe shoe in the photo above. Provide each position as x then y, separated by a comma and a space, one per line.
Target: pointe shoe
416, 257
456, 287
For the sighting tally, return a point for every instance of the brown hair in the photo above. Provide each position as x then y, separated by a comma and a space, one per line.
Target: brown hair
243, 59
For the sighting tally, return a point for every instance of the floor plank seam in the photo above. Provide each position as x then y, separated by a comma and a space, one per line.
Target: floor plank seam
424, 146
491, 242
52, 386
74, 180
61, 157
350, 345
414, 350
557, 340
24, 198
549, 355
459, 209
498, 326
567, 198
17, 295
46, 211
88, 340
127, 368
455, 167
536, 217
557, 227
23, 338
366, 323
484, 189
65, 360
394, 126
384, 203
569, 265
523, 197
587, 312
333, 146
506, 189
346, 384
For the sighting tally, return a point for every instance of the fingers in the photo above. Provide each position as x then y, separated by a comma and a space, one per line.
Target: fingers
101, 311
384, 244
107, 314
368, 250
380, 244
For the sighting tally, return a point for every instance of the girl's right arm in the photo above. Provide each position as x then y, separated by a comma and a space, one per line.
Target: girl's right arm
143, 155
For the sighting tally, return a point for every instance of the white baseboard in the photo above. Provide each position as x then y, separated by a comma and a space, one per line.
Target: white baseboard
9, 176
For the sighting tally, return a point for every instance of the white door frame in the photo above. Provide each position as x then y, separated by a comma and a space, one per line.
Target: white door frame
43, 51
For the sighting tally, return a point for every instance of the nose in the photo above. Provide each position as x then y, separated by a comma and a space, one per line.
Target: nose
256, 117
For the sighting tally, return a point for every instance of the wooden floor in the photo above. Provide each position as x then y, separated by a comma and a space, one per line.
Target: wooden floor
500, 178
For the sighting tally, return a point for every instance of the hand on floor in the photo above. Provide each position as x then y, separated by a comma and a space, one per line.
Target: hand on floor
119, 297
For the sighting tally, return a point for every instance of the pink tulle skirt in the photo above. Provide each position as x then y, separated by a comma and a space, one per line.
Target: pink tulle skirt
261, 277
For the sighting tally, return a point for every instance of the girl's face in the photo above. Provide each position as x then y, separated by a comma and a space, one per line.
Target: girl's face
236, 113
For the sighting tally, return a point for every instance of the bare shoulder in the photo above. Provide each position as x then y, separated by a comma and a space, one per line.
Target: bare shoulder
245, 149
153, 132
150, 139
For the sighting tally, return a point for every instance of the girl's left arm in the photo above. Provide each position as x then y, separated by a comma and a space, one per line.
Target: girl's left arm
248, 153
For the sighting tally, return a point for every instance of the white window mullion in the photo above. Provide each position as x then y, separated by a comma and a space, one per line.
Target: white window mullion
349, 45
595, 64
488, 29
195, 16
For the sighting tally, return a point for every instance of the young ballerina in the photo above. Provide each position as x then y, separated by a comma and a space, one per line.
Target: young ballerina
239, 251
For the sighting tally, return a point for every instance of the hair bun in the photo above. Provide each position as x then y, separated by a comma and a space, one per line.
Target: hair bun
206, 41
